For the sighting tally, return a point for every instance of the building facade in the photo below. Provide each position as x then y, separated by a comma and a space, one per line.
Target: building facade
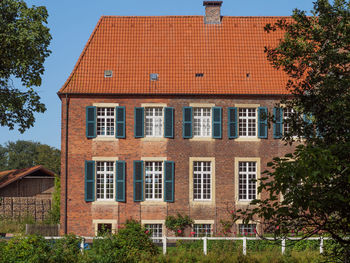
167, 115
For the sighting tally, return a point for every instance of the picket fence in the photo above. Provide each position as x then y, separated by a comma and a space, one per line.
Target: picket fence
206, 239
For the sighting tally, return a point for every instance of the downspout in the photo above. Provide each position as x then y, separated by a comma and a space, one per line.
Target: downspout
66, 170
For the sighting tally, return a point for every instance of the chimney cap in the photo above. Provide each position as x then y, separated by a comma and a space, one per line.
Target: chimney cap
212, 3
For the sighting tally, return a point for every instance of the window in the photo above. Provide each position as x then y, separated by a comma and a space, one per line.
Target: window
246, 181
153, 180
249, 229
202, 230
202, 122
105, 180
247, 122
287, 113
201, 181
103, 229
156, 231
154, 122
105, 122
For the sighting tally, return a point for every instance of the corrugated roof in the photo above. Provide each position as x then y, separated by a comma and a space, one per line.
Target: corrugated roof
10, 176
230, 56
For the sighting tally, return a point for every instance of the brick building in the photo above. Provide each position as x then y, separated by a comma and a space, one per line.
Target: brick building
166, 114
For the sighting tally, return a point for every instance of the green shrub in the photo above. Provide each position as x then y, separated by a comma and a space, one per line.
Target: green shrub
130, 244
65, 250
178, 224
29, 249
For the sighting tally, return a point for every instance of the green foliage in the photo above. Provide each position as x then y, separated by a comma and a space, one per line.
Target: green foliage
23, 154
66, 250
178, 223
15, 225
130, 244
314, 180
54, 213
24, 41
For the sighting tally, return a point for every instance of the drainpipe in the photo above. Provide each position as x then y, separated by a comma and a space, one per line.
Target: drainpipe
66, 169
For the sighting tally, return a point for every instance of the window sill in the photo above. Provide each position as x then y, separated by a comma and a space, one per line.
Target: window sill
243, 202
247, 139
207, 139
202, 203
151, 202
105, 202
154, 139
109, 139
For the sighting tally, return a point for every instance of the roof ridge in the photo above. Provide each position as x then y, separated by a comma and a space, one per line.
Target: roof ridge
81, 55
187, 16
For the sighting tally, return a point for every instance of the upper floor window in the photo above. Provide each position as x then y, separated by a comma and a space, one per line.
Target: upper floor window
247, 122
202, 180
154, 122
287, 113
105, 122
202, 122
247, 175
153, 180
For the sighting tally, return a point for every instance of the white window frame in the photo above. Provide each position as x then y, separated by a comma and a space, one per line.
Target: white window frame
287, 112
247, 118
153, 179
105, 122
201, 175
105, 173
150, 227
242, 227
203, 121
154, 120
246, 174
207, 233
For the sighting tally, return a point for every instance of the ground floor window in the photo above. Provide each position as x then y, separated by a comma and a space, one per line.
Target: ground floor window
247, 230
201, 230
156, 231
104, 229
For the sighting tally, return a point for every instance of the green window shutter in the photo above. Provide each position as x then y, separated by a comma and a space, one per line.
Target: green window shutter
187, 122
308, 124
138, 181
139, 122
120, 181
90, 122
217, 122
169, 122
169, 181
89, 181
232, 122
120, 122
278, 123
262, 122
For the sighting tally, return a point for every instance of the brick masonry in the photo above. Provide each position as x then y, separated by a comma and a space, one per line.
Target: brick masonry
81, 214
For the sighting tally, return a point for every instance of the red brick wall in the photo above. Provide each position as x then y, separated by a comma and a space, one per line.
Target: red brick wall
81, 213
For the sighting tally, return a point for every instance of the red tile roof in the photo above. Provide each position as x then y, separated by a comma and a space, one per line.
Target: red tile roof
230, 55
10, 176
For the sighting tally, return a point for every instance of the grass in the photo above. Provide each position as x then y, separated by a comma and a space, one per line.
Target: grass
15, 226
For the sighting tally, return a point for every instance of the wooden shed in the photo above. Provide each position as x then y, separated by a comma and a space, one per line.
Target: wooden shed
35, 181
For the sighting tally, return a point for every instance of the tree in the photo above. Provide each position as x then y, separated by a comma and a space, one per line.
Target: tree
24, 41
309, 190
23, 154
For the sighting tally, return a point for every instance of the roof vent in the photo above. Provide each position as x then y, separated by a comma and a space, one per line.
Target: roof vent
153, 76
108, 73
199, 75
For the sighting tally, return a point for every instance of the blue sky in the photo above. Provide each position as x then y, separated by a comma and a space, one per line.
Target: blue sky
72, 21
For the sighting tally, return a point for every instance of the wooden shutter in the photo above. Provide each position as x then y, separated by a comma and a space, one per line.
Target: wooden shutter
138, 181
139, 122
217, 123
262, 122
89, 181
278, 123
232, 123
120, 181
187, 122
169, 181
120, 122
90, 122
169, 122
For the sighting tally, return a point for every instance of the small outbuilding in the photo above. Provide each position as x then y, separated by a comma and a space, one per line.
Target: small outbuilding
35, 181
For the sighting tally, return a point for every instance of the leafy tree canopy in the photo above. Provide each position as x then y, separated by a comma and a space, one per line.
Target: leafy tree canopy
24, 41
23, 154
309, 190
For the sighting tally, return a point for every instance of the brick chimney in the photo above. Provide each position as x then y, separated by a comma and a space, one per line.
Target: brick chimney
212, 12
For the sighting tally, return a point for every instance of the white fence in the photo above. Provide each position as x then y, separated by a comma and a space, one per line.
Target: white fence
207, 239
